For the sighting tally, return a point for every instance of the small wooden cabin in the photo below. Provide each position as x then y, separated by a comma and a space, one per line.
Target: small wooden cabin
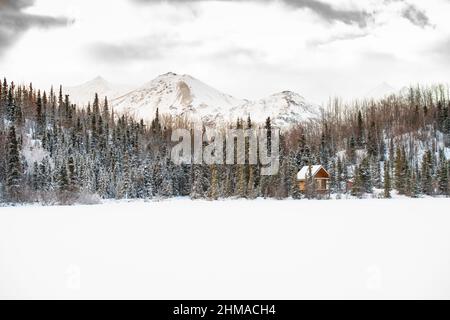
319, 174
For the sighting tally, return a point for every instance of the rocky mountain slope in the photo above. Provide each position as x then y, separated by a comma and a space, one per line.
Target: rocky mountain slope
184, 95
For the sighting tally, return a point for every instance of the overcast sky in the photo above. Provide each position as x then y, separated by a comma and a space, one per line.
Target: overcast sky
247, 48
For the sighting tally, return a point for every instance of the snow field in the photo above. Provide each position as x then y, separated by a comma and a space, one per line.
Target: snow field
262, 249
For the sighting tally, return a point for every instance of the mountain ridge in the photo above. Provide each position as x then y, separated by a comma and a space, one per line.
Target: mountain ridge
84, 93
184, 95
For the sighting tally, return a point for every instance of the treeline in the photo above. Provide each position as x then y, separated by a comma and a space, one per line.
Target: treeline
54, 152
400, 142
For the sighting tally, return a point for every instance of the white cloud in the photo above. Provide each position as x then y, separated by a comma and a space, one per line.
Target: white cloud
247, 48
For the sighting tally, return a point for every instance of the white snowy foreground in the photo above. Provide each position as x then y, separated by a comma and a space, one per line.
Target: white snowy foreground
263, 249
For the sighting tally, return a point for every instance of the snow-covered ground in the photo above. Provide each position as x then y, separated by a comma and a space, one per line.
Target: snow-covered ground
182, 249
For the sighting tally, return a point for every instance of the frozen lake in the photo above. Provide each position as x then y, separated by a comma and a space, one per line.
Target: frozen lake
261, 249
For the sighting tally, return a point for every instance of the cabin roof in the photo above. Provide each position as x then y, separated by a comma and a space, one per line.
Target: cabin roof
301, 175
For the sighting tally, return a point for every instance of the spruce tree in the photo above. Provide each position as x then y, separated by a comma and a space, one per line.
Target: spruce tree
40, 117
358, 187
339, 175
415, 189
426, 174
148, 183
11, 108
372, 146
295, 188
241, 182
45, 175
251, 189
351, 150
3, 99
213, 193
35, 183
365, 176
400, 171
443, 174
14, 168
387, 180
72, 178
197, 186
360, 128
63, 183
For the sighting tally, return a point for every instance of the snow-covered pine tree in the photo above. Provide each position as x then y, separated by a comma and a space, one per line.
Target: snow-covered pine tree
357, 187
387, 180
401, 170
14, 168
63, 181
365, 175
252, 192
340, 180
351, 150
213, 193
443, 174
372, 145
241, 182
375, 166
167, 182
333, 176
148, 181
40, 116
72, 174
360, 131
197, 186
35, 183
11, 111
426, 173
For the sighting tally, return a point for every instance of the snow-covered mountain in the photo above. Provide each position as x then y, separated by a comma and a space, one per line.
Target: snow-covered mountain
184, 95
381, 91
176, 95
84, 93
283, 108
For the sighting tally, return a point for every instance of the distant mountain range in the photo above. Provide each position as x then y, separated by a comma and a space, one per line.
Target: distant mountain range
84, 93
381, 91
184, 95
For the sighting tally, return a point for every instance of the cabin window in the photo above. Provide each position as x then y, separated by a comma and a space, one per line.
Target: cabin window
322, 184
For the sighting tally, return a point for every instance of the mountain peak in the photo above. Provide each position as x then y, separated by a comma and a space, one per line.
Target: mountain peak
99, 79
286, 93
169, 74
382, 90
84, 93
98, 82
174, 76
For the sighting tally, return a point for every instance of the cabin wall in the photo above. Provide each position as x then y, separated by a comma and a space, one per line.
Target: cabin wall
322, 185
301, 185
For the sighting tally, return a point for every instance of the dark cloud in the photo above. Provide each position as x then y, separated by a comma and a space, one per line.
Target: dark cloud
331, 13
322, 9
416, 16
337, 38
148, 48
158, 46
14, 22
113, 52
